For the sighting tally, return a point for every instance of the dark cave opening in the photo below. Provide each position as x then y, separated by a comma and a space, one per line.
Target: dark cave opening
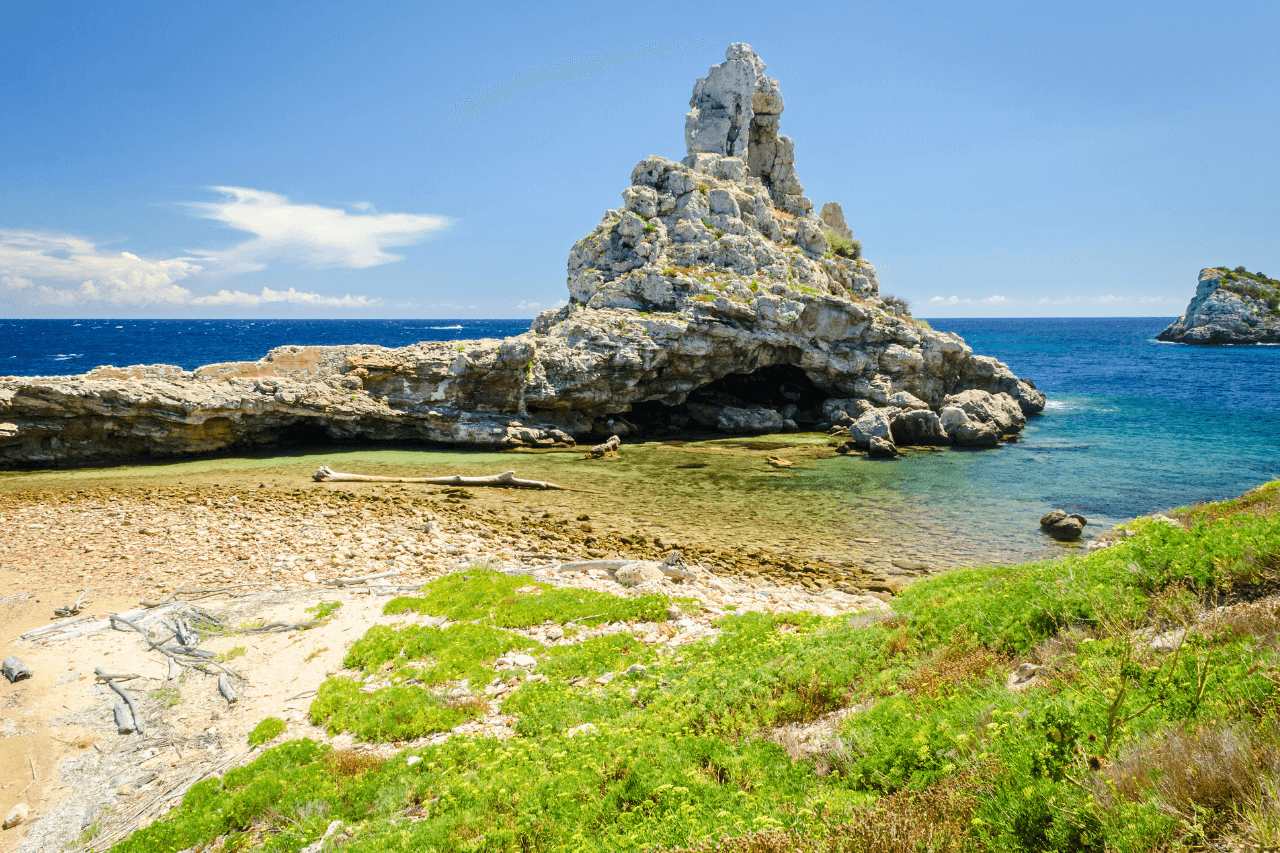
303, 434
783, 389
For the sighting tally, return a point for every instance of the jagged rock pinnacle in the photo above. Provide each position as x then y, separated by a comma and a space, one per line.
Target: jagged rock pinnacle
736, 111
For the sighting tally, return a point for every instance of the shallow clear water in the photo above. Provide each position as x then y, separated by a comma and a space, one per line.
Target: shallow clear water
1132, 426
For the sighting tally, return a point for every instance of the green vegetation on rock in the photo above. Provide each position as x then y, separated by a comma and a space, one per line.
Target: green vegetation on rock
1141, 715
842, 246
1254, 285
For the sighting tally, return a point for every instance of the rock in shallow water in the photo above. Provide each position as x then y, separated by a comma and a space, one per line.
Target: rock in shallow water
1061, 526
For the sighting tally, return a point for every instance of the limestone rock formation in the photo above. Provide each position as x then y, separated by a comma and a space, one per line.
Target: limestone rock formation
1229, 307
708, 300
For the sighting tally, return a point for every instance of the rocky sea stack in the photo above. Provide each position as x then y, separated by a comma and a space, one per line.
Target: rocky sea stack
713, 299
1230, 307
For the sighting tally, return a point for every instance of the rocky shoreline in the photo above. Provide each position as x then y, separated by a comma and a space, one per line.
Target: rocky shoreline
714, 298
1229, 307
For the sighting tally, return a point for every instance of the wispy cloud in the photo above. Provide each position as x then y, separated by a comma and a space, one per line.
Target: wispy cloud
996, 299
309, 234
119, 278
290, 296
563, 72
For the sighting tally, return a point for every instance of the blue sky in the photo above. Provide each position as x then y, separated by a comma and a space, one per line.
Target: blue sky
429, 160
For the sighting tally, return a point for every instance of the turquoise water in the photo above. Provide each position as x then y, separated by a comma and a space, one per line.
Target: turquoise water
1132, 426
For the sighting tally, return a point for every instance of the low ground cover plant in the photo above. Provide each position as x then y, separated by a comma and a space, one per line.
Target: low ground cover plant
514, 602
1149, 721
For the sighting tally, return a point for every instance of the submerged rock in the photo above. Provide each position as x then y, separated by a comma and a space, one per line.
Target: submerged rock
1229, 307
708, 298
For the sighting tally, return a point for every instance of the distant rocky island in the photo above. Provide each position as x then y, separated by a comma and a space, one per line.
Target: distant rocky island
713, 299
1231, 306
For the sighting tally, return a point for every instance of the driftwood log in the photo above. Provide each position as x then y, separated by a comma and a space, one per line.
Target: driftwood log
14, 669
505, 480
128, 700
224, 687
71, 609
124, 719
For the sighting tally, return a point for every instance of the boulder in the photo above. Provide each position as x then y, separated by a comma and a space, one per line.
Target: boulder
873, 424
906, 400
919, 428
965, 432
881, 448
999, 409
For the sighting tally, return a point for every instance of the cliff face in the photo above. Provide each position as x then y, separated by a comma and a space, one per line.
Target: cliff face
1229, 307
711, 299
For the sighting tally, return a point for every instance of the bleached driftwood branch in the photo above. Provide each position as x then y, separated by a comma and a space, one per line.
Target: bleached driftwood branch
505, 480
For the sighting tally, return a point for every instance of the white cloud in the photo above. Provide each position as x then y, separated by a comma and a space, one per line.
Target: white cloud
120, 278
59, 260
291, 296
309, 234
997, 300
1108, 298
1146, 300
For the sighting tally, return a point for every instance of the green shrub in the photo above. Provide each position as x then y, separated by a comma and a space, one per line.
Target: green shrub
388, 714
266, 731
843, 246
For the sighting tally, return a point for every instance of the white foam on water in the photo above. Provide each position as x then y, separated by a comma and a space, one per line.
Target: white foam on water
445, 327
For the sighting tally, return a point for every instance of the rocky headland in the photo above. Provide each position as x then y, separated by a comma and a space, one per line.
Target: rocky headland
713, 299
1229, 307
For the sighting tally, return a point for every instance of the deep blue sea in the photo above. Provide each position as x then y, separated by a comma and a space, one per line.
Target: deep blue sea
1132, 425
55, 347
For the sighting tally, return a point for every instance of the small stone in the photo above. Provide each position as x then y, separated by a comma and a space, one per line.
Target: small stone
606, 678
16, 815
555, 632
1023, 675
412, 760
636, 669
310, 577
634, 574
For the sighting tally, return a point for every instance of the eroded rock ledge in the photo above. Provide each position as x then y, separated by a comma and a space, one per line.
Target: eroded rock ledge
1229, 307
714, 298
